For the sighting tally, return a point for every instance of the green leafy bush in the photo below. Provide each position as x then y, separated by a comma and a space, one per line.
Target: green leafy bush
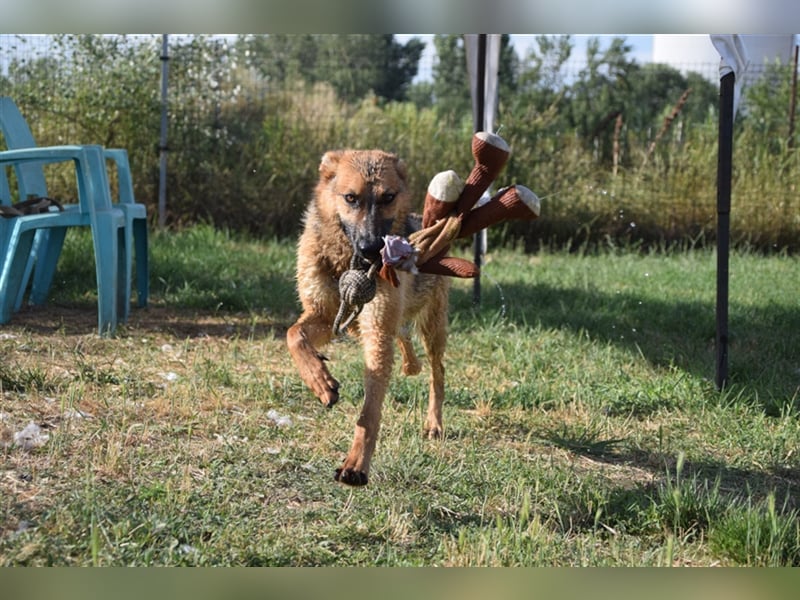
244, 146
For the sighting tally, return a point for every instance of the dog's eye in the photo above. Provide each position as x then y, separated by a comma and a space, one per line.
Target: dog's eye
351, 199
388, 198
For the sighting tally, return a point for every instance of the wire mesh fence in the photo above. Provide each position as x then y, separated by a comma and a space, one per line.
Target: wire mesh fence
616, 149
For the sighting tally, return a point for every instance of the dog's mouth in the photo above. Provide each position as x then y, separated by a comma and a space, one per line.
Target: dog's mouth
367, 243
369, 255
363, 263
366, 251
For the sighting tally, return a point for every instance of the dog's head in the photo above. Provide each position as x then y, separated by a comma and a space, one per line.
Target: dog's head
365, 191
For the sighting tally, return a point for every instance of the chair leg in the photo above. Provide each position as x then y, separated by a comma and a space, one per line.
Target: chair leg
13, 270
47, 250
142, 262
123, 295
39, 243
105, 236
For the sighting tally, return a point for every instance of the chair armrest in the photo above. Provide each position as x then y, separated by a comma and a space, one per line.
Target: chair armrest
90, 170
45, 154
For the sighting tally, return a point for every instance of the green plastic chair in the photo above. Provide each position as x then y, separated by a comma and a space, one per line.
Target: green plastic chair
94, 210
48, 243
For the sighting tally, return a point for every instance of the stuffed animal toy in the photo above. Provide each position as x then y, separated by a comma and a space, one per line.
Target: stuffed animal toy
449, 213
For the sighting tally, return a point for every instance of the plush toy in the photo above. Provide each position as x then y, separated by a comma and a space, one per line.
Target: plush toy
449, 213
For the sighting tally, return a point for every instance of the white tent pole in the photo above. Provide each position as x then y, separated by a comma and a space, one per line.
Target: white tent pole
479, 118
483, 56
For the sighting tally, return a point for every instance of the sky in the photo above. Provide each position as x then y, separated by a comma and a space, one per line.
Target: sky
641, 47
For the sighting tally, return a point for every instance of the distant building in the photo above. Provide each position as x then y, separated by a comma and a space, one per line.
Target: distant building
696, 53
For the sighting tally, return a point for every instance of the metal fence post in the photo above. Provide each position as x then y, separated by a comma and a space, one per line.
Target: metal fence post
724, 177
162, 146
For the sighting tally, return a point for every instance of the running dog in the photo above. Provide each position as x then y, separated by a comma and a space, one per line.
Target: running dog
361, 197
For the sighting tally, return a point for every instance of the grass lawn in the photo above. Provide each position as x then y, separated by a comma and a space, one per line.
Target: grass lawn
582, 423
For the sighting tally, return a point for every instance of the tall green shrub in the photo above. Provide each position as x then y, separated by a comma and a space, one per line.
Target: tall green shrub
244, 147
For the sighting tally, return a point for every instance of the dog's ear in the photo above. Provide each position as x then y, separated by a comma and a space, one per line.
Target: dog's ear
401, 167
329, 164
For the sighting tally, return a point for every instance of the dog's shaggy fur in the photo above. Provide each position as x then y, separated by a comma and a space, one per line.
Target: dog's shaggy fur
361, 197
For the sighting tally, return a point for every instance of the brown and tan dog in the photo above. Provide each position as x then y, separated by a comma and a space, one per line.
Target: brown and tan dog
361, 197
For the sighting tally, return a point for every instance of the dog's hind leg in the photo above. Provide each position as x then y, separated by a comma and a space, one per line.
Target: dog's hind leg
433, 330
313, 331
411, 364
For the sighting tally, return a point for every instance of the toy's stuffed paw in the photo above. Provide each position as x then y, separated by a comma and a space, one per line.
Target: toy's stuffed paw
450, 266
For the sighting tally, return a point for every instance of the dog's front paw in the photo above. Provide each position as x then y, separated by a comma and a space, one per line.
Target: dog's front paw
350, 477
330, 393
433, 428
434, 433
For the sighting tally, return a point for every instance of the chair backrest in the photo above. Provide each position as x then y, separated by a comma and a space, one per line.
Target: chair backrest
5, 192
17, 134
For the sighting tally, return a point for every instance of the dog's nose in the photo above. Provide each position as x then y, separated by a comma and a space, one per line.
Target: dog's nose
370, 249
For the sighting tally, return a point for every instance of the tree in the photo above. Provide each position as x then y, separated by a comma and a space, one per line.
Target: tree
100, 89
541, 78
355, 65
279, 57
704, 100
421, 94
766, 106
656, 88
601, 87
450, 85
450, 79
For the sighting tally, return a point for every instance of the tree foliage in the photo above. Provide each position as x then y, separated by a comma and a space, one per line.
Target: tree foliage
249, 118
451, 91
93, 89
609, 85
354, 65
